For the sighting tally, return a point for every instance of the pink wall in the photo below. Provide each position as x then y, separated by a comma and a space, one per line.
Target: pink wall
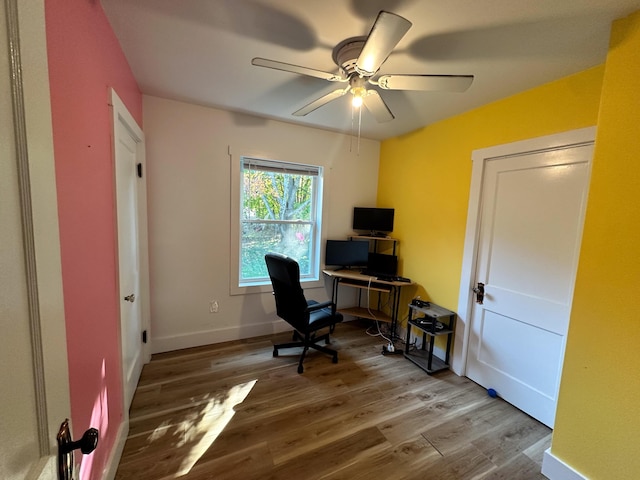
85, 59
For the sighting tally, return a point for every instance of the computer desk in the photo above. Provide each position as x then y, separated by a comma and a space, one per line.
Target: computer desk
355, 279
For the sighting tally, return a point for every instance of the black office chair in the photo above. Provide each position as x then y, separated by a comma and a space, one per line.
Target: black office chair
305, 316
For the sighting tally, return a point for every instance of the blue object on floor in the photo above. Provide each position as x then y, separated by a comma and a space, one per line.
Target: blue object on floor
492, 393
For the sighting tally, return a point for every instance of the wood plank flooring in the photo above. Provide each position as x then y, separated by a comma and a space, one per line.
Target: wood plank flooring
234, 411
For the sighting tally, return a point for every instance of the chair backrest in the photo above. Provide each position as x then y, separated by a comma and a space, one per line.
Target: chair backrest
291, 304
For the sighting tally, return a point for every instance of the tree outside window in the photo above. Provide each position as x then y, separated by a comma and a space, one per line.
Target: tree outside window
279, 213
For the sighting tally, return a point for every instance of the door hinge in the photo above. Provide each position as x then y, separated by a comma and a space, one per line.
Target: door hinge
139, 167
144, 336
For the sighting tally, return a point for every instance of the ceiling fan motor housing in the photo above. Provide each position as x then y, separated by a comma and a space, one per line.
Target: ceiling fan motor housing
346, 53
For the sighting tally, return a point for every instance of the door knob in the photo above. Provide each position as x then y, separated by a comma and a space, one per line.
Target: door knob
130, 298
66, 446
479, 291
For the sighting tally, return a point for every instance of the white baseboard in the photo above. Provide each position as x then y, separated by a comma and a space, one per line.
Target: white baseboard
116, 452
555, 469
209, 337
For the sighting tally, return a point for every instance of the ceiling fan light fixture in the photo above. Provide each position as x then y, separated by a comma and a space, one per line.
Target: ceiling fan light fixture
358, 96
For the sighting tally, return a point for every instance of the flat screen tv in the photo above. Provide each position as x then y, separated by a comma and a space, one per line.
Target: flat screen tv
375, 221
346, 253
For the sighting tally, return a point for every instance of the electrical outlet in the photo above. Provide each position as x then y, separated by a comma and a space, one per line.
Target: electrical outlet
213, 306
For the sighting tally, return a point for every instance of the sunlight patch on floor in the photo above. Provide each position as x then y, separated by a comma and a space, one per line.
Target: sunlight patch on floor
204, 430
159, 432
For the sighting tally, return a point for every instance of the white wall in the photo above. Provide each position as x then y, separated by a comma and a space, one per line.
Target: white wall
189, 195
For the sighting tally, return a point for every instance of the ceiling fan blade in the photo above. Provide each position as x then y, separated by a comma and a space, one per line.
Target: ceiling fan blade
385, 34
320, 102
375, 104
448, 83
287, 67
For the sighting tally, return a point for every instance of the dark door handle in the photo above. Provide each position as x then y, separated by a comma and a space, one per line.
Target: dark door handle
479, 291
130, 298
86, 444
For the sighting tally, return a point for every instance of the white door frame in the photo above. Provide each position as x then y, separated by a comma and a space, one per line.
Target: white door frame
122, 116
469, 259
33, 142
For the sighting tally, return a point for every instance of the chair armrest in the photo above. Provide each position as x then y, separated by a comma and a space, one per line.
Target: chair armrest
319, 306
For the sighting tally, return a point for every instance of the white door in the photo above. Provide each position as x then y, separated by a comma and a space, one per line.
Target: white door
127, 142
531, 217
34, 392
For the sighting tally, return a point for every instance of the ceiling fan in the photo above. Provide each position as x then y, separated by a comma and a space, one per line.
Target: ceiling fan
359, 59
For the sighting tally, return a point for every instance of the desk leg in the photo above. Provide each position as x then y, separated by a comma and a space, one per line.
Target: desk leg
334, 294
394, 314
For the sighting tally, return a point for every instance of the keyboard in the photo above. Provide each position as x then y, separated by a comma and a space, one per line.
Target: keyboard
393, 278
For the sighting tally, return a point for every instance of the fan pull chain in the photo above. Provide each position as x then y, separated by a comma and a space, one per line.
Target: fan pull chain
359, 127
351, 136
353, 128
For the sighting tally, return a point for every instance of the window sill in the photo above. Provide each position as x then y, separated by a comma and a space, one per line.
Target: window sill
267, 288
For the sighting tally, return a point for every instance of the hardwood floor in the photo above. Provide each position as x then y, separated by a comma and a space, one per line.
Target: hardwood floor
233, 411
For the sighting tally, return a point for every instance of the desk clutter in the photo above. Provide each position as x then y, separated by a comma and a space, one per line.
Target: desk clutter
360, 254
358, 263
355, 254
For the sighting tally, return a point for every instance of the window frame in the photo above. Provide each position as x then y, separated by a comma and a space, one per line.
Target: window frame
314, 279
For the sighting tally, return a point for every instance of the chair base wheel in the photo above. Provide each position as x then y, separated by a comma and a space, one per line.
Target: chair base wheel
307, 343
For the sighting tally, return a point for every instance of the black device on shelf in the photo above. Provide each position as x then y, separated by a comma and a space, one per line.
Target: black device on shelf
346, 253
376, 221
428, 324
420, 303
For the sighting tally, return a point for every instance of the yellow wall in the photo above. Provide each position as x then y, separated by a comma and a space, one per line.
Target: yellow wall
598, 419
426, 175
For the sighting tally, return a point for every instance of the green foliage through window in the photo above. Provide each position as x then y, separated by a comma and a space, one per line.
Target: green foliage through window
279, 212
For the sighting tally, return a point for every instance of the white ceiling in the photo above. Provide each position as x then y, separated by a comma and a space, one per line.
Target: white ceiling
200, 51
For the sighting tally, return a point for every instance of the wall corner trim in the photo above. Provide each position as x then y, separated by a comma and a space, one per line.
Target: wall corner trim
116, 452
555, 469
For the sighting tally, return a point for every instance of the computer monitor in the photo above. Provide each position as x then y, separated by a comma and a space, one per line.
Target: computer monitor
381, 264
346, 253
376, 221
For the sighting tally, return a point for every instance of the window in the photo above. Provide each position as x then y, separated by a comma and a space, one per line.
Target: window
280, 207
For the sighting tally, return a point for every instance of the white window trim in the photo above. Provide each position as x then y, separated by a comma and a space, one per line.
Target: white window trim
234, 230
